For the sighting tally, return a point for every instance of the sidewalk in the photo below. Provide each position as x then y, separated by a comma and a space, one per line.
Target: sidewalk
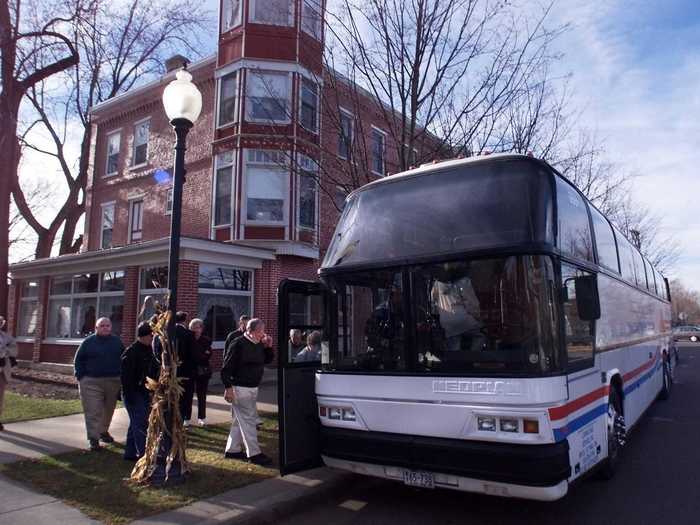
33, 439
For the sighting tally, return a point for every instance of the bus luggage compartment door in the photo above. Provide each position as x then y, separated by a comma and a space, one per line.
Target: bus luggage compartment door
302, 308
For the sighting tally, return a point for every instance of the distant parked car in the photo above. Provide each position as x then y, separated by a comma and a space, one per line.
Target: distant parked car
686, 333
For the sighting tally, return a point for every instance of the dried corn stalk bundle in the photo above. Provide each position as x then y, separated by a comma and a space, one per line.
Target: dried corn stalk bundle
166, 441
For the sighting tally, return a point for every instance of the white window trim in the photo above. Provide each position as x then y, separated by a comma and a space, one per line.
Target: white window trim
133, 145
240, 19
248, 105
102, 228
118, 132
132, 201
318, 105
285, 207
170, 190
81, 295
242, 293
237, 110
319, 5
19, 317
384, 134
217, 167
290, 22
298, 204
352, 131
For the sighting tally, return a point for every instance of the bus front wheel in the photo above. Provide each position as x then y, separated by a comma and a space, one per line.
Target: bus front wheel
616, 434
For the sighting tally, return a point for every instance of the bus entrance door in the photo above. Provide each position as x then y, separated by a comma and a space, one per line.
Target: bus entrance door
303, 334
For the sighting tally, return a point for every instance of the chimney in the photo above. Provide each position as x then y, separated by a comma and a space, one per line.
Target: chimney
175, 62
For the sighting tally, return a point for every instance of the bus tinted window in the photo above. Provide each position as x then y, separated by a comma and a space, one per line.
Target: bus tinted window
605, 241
574, 229
466, 316
639, 269
470, 207
580, 334
626, 257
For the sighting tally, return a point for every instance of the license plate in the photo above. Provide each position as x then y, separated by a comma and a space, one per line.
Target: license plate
416, 478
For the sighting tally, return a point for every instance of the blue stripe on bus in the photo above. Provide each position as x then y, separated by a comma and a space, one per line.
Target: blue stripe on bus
572, 426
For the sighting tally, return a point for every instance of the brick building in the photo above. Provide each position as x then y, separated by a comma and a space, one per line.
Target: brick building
261, 196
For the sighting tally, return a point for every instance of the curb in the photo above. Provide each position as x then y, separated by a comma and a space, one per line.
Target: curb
260, 503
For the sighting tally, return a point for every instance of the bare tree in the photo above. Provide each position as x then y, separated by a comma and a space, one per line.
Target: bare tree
119, 46
38, 194
35, 45
685, 304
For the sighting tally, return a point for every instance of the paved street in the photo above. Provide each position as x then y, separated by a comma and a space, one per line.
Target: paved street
659, 481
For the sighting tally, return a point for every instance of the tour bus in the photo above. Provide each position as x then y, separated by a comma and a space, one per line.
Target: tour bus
484, 328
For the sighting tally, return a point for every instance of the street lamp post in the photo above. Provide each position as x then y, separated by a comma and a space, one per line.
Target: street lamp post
183, 104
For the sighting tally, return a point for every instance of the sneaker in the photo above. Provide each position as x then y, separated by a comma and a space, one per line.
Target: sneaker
260, 459
235, 455
202, 422
106, 437
186, 423
94, 445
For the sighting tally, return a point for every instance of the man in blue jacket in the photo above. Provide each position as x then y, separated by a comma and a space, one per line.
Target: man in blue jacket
97, 367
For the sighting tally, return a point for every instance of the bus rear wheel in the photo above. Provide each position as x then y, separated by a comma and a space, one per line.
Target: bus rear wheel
616, 434
667, 380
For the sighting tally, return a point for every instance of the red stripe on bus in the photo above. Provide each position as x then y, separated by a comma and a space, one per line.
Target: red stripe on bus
561, 412
572, 406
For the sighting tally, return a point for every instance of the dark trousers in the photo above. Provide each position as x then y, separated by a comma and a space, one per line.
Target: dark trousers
202, 385
137, 405
187, 396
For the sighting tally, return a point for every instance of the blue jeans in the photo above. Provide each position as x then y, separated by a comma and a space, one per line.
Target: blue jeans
137, 406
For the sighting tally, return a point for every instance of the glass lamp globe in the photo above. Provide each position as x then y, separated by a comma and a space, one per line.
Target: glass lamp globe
182, 99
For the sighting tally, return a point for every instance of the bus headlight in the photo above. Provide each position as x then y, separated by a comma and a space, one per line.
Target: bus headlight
486, 423
334, 413
509, 425
349, 414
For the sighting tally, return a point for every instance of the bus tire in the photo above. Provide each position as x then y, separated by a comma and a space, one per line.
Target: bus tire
616, 433
667, 380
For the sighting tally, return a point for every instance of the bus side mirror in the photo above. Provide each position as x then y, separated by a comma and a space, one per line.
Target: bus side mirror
587, 300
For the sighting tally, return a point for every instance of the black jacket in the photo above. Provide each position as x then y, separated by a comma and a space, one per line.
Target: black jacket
138, 362
230, 338
244, 363
184, 342
202, 352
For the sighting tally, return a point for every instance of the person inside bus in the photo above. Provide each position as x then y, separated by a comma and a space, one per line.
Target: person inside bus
458, 310
385, 332
296, 343
312, 350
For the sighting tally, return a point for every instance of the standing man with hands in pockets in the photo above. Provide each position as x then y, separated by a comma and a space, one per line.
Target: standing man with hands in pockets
241, 374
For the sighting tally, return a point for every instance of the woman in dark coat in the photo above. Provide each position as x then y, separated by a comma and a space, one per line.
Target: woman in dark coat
202, 354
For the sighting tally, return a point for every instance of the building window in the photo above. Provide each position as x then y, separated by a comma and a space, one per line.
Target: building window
345, 135
169, 201
311, 18
223, 187
308, 192
153, 291
135, 220
28, 309
266, 185
272, 12
268, 96
378, 147
77, 301
141, 133
230, 14
228, 99
309, 105
113, 144
225, 294
107, 225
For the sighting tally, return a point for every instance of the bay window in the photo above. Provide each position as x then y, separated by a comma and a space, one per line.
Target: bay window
345, 135
223, 187
311, 18
230, 14
28, 309
107, 210
308, 111
225, 293
228, 99
135, 220
266, 185
378, 147
77, 301
308, 192
268, 94
272, 12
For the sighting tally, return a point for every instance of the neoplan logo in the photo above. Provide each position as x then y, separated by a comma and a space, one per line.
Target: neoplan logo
494, 388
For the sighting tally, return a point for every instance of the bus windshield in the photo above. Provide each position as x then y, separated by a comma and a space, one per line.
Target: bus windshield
475, 206
492, 316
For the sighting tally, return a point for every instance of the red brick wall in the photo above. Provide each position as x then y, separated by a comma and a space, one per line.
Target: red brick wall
12, 307
187, 281
131, 304
52, 353
26, 351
